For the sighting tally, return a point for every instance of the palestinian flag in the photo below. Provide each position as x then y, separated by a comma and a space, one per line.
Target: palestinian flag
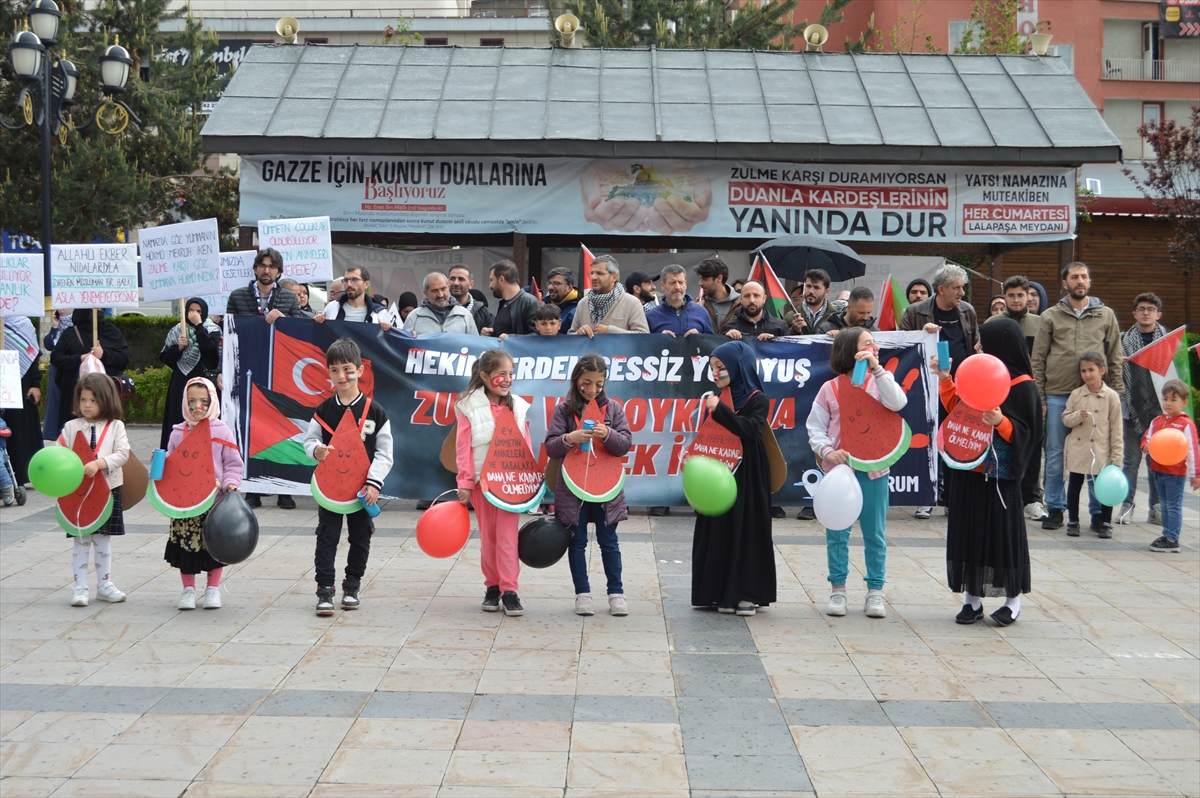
298, 372
761, 272
1166, 359
277, 428
892, 305
588, 257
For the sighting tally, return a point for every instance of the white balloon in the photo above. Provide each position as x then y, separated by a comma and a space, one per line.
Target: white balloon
838, 499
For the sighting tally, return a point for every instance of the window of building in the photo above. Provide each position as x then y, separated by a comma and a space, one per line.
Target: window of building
957, 28
1066, 52
491, 42
433, 41
1150, 42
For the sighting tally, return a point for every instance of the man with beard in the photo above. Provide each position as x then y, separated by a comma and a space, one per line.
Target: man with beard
608, 308
436, 313
1139, 402
750, 319
461, 284
677, 315
817, 307
641, 286
859, 311
517, 311
1075, 324
356, 303
561, 291
715, 295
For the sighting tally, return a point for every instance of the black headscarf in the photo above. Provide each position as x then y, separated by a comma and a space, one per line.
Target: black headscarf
407, 300
1003, 338
203, 307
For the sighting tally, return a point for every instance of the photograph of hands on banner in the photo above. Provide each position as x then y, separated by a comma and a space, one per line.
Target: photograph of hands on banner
664, 199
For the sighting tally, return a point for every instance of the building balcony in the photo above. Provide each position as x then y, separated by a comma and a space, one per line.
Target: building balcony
1170, 71
1135, 149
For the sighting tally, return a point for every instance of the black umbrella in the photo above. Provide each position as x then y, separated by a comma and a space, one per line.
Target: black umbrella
792, 256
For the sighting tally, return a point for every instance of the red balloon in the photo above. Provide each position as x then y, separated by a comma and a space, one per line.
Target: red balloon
982, 381
1168, 446
443, 529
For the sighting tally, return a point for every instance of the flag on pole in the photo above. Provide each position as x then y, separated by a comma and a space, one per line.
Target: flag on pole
892, 305
588, 257
1166, 359
761, 272
536, 291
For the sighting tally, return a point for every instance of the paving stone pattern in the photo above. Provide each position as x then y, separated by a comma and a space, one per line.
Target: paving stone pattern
1095, 691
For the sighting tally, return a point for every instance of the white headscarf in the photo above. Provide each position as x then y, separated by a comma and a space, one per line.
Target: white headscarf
214, 404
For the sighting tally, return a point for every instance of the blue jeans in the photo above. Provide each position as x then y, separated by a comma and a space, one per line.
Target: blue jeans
873, 522
1133, 462
606, 539
1170, 499
1056, 439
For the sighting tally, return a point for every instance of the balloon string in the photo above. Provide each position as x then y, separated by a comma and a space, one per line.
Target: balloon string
74, 523
996, 461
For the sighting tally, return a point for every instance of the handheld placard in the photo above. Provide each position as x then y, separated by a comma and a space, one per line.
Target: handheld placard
944, 355
860, 373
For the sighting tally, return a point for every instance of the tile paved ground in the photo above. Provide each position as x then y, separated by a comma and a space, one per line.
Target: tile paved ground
1095, 691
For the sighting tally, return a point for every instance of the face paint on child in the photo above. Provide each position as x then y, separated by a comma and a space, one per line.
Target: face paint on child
198, 402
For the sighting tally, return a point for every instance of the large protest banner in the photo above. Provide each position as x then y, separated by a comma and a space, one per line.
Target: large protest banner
22, 291
739, 199
94, 275
276, 375
180, 260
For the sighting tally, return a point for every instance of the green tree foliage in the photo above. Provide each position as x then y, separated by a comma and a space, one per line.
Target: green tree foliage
992, 30
699, 24
150, 174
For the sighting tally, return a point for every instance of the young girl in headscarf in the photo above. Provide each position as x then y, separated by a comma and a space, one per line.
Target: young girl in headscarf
733, 557
191, 349
185, 544
987, 552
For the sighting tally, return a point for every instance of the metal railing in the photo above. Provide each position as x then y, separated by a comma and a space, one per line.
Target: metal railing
1135, 149
1172, 71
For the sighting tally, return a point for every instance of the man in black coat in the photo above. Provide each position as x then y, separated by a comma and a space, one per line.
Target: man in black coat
750, 317
859, 311
515, 315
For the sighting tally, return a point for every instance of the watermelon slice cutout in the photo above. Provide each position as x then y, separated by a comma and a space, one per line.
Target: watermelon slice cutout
963, 439
189, 483
510, 477
874, 436
338, 478
715, 440
596, 475
91, 505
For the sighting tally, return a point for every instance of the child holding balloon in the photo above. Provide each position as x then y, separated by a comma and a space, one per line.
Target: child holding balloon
98, 408
824, 436
565, 433
1174, 457
1097, 439
185, 543
476, 412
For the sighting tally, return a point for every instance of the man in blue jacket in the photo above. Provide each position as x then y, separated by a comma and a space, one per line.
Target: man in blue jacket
677, 315
561, 291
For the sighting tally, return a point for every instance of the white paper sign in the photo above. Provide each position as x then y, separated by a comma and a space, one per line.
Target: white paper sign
180, 260
237, 270
305, 244
22, 287
10, 379
94, 276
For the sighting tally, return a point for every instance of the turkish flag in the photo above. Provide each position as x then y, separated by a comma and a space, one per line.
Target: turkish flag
588, 257
299, 372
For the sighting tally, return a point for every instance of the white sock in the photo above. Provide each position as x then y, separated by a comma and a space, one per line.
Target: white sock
1014, 605
975, 602
103, 546
79, 561
872, 591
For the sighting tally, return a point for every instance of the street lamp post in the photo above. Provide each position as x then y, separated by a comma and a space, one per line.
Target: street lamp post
49, 90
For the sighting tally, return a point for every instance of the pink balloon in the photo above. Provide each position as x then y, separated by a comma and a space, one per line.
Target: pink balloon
982, 381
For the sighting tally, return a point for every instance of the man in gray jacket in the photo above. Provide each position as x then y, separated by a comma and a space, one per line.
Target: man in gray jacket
436, 313
1075, 324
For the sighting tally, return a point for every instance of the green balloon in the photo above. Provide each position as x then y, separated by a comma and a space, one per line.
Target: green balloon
1110, 486
55, 471
709, 486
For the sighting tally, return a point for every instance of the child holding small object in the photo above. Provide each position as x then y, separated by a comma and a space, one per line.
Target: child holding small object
1170, 478
1097, 439
185, 543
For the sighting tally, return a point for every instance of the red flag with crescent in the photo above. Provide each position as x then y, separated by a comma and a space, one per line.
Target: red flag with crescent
299, 372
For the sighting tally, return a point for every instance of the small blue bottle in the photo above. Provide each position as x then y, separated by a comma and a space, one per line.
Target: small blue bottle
372, 509
157, 461
860, 373
588, 426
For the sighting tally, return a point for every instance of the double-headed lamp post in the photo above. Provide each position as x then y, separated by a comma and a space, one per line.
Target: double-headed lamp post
49, 91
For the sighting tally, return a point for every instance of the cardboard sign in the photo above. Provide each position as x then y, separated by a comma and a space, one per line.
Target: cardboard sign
22, 287
510, 477
237, 270
875, 437
180, 260
963, 439
714, 440
305, 244
10, 379
94, 275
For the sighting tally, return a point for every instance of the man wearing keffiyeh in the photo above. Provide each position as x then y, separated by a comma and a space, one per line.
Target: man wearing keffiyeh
608, 308
1139, 401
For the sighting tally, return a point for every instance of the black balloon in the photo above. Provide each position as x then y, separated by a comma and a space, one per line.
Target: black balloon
231, 529
542, 542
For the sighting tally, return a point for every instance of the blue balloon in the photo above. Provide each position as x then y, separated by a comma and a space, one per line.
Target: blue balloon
1110, 486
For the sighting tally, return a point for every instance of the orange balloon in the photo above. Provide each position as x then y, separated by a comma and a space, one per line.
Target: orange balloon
443, 529
1168, 446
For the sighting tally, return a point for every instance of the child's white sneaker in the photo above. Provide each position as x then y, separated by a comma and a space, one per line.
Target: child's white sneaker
108, 591
617, 604
583, 604
874, 606
187, 599
212, 598
80, 597
837, 603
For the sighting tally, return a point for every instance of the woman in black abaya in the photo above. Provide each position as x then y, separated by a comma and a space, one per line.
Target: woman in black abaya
733, 557
76, 342
198, 354
987, 551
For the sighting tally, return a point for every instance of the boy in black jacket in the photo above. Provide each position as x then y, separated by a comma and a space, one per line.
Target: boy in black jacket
344, 361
